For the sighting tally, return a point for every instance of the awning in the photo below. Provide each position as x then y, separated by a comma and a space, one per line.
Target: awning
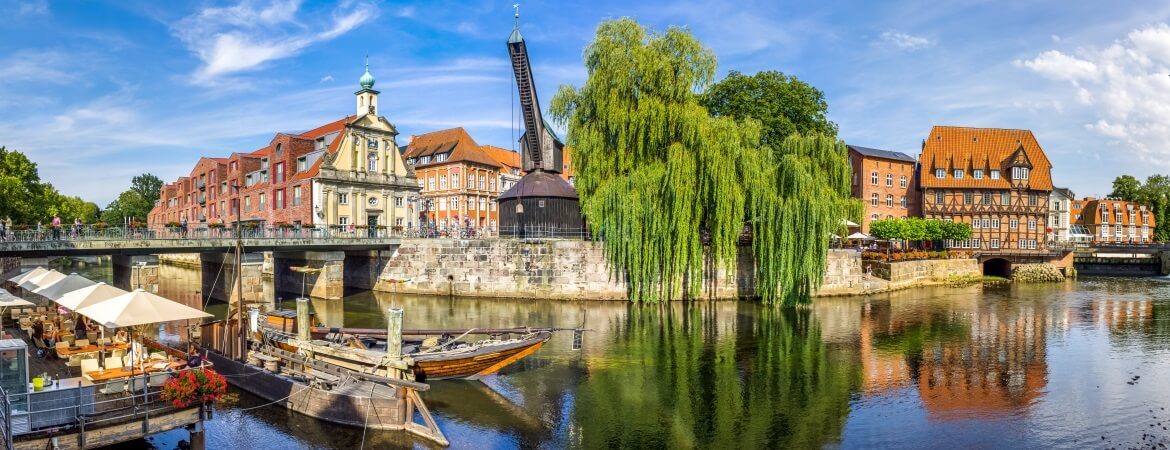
45, 279
138, 308
859, 235
87, 296
28, 274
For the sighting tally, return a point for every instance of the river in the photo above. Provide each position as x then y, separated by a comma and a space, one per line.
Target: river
1079, 364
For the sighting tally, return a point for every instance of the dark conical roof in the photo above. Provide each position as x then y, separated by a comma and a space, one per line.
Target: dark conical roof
515, 37
541, 184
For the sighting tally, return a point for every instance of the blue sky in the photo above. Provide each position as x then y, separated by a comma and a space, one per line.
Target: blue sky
96, 92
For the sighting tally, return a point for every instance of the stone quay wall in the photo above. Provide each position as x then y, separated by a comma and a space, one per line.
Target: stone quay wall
905, 274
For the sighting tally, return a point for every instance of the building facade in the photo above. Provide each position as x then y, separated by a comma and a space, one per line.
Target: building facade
346, 173
1112, 221
1060, 217
997, 180
886, 182
459, 179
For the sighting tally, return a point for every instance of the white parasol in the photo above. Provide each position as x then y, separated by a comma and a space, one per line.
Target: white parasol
44, 279
70, 283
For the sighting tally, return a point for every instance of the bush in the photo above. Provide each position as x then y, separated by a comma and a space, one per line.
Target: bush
194, 386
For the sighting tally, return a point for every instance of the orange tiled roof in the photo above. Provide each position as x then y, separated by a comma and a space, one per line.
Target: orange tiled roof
454, 140
505, 157
952, 148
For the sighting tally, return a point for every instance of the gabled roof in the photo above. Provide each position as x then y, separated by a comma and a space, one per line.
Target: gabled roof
884, 154
454, 140
952, 148
505, 157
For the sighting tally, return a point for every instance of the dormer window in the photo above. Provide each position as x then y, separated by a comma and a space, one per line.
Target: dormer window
958, 174
1019, 173
994, 174
977, 174
940, 173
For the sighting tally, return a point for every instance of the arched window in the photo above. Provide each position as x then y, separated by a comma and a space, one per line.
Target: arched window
279, 150
889, 200
373, 166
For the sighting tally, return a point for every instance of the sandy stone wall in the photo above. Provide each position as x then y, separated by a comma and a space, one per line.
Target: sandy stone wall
909, 273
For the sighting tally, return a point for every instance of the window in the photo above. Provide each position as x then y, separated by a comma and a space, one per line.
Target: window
939, 197
482, 182
431, 183
995, 243
986, 198
442, 182
223, 187
1117, 231
889, 179
1033, 199
373, 162
958, 174
968, 198
302, 164
540, 203
874, 217
1005, 198
975, 224
470, 181
343, 198
940, 173
1022, 243
248, 204
343, 220
903, 202
1104, 231
1019, 173
1014, 223
260, 203
995, 223
482, 204
296, 196
977, 174
873, 178
492, 206
873, 199
1031, 224
398, 222
454, 203
994, 174
903, 181
280, 172
399, 202
492, 184
278, 203
986, 223
442, 203
889, 201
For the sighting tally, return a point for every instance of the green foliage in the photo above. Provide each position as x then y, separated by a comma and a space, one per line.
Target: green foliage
1126, 187
128, 204
783, 104
655, 171
26, 199
148, 186
919, 229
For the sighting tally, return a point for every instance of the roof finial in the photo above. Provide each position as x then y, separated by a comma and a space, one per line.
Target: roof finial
516, 6
367, 61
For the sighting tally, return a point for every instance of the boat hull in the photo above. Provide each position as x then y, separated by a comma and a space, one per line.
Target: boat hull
474, 365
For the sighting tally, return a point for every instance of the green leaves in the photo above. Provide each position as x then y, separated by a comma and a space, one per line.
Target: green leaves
25, 199
918, 229
656, 173
783, 104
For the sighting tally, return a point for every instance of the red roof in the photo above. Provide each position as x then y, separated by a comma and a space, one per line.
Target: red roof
455, 141
505, 157
967, 149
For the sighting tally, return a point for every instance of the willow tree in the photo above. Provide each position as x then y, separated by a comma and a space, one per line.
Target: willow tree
669, 188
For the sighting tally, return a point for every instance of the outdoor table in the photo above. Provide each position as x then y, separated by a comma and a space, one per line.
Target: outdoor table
149, 367
98, 376
91, 348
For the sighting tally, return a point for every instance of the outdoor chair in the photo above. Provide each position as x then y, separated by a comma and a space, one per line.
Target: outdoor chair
91, 336
69, 339
113, 363
88, 365
74, 360
138, 384
104, 341
158, 379
68, 325
82, 342
62, 345
114, 387
118, 353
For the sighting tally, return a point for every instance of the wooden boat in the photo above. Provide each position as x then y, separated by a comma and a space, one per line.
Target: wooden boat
327, 392
437, 357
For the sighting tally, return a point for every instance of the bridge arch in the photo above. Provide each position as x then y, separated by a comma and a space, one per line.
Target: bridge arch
997, 267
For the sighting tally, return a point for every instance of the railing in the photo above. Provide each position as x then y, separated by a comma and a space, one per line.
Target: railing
92, 233
543, 232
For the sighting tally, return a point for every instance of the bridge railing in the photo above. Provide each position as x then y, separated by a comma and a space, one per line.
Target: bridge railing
92, 233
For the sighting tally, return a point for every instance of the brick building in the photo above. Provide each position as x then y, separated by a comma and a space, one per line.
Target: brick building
997, 180
1112, 221
460, 179
886, 182
344, 173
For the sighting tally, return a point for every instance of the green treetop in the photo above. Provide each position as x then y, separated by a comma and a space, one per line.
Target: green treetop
783, 104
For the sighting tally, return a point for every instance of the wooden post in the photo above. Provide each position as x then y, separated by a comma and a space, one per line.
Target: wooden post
394, 340
198, 438
303, 319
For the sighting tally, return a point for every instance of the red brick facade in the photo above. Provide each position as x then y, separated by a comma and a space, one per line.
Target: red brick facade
885, 181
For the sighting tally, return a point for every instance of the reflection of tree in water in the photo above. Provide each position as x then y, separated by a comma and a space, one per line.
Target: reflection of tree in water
691, 377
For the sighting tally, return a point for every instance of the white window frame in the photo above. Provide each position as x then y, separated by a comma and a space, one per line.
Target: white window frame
873, 178
903, 181
977, 174
940, 173
889, 179
958, 174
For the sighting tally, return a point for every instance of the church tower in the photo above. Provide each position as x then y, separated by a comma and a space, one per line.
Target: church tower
367, 97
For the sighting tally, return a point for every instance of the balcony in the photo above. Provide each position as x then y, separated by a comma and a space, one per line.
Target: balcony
202, 199
201, 185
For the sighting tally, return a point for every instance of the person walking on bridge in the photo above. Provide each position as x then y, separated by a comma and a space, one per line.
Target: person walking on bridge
56, 227
183, 226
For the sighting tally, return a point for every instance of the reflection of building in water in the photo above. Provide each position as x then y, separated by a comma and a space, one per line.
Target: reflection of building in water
1000, 368
965, 357
1122, 315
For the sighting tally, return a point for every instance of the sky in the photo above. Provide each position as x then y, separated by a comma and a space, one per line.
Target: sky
96, 92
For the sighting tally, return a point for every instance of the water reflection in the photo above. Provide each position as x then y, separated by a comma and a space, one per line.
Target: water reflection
1024, 366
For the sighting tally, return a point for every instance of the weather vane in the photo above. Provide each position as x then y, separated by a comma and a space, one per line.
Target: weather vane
516, 6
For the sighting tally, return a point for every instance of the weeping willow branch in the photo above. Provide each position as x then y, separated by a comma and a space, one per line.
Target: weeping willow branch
655, 172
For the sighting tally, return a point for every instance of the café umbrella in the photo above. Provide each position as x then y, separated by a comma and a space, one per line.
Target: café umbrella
28, 274
137, 308
8, 300
45, 279
98, 292
70, 283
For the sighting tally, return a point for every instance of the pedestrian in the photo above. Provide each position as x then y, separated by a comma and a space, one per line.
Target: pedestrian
56, 227
76, 227
40, 231
183, 226
3, 231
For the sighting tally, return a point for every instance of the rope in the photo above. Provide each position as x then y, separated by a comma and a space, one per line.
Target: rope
276, 401
439, 348
369, 403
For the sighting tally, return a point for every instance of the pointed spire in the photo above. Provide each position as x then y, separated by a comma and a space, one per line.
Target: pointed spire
515, 37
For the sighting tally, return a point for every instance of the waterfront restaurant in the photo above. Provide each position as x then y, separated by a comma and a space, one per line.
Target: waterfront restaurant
63, 382
886, 182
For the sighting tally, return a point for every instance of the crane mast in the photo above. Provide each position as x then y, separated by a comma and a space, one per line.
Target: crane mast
540, 148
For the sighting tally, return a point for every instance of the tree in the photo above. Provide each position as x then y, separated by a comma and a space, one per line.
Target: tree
783, 104
26, 199
1126, 187
128, 204
148, 186
656, 173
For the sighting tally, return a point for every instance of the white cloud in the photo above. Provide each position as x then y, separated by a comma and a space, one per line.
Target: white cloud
405, 12
1124, 88
42, 66
33, 8
327, 79
905, 41
243, 37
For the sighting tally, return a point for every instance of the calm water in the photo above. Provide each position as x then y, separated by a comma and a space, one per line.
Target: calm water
1081, 364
